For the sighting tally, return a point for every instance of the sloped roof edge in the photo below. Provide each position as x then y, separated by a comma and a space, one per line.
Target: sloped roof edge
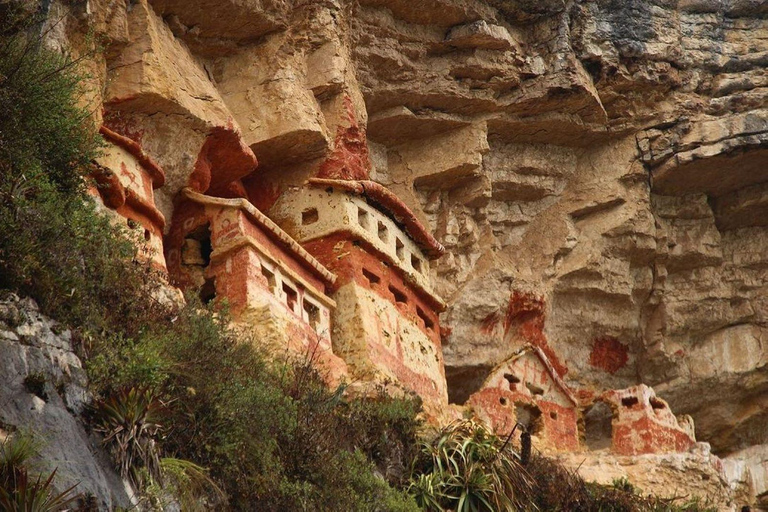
392, 205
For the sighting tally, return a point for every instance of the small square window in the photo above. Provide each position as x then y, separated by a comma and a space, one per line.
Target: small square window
309, 216
371, 277
313, 314
383, 232
400, 296
416, 263
428, 323
291, 296
400, 249
363, 218
271, 281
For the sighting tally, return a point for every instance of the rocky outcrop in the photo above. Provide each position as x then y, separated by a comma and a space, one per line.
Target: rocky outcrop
43, 391
595, 169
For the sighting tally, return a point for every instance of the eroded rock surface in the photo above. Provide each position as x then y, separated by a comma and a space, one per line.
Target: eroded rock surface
597, 170
35, 348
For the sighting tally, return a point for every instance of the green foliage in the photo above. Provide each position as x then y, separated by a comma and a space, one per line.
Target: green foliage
26, 495
190, 485
46, 138
16, 453
467, 468
273, 436
56, 248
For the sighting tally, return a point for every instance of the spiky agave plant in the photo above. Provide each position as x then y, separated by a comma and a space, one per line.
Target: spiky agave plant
28, 495
130, 420
467, 468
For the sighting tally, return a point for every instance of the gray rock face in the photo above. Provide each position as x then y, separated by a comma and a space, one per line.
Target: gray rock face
32, 345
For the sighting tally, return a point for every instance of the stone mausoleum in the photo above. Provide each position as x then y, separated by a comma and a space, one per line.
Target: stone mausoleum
386, 324
125, 178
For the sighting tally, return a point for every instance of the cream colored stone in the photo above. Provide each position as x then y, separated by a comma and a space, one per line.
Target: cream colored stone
365, 323
481, 35
694, 474
280, 118
155, 72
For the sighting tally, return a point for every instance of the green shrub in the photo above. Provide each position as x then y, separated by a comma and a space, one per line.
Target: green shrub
80, 268
26, 495
130, 420
272, 435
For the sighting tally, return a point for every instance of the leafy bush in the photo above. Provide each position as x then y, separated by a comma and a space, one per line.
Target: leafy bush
80, 268
130, 423
26, 495
272, 435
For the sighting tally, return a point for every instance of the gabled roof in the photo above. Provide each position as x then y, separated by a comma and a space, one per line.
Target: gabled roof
533, 349
391, 205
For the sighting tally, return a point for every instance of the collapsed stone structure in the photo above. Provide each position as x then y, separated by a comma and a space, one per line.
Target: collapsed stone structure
595, 172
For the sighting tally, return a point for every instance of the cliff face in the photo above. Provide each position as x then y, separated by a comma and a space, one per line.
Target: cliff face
597, 170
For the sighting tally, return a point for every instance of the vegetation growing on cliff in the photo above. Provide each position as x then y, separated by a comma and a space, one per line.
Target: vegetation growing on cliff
185, 407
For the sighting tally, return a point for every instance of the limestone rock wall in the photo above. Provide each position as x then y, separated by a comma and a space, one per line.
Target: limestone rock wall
33, 345
596, 169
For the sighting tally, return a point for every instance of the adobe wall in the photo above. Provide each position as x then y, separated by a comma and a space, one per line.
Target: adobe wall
125, 183
644, 423
383, 327
524, 390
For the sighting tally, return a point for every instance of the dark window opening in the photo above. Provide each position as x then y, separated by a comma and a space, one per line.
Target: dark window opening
291, 296
200, 237
553, 415
512, 381
371, 277
534, 389
400, 249
147, 235
399, 295
503, 401
313, 314
208, 291
416, 263
428, 323
362, 218
598, 421
656, 403
529, 416
309, 216
271, 281
383, 232
630, 401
